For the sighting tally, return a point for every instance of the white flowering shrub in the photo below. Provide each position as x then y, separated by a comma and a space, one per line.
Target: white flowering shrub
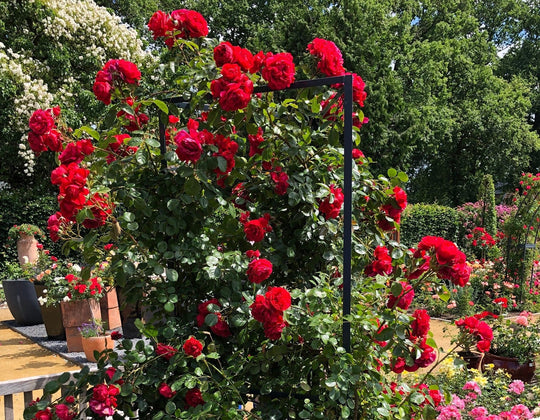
65, 44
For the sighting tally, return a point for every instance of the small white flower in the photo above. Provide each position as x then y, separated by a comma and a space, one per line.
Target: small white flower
26, 260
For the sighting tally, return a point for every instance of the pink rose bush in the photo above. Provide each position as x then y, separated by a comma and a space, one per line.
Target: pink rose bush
229, 229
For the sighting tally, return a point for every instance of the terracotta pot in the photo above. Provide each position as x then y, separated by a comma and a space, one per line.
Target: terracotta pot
74, 314
27, 247
523, 371
472, 359
52, 317
22, 301
110, 312
99, 344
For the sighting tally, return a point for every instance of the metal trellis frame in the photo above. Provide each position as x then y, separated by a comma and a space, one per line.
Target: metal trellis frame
347, 81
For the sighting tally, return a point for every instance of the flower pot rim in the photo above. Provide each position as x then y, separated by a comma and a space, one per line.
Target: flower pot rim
516, 359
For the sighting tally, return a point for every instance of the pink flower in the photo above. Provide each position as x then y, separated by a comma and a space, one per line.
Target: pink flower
522, 320
473, 386
517, 387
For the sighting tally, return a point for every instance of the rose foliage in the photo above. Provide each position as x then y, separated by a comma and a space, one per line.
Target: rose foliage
231, 234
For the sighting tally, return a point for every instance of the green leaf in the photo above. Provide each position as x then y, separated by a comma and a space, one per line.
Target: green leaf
222, 163
170, 407
128, 217
391, 173
192, 187
418, 398
51, 387
211, 320
90, 131
396, 288
162, 106
403, 177
304, 385
169, 307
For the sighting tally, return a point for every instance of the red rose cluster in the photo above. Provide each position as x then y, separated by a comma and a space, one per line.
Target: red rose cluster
133, 121
259, 269
103, 401
268, 310
382, 264
393, 209
233, 89
189, 148
43, 135
404, 299
255, 141
255, 229
330, 63
480, 237
119, 149
418, 336
79, 286
480, 329
331, 205
336, 109
443, 257
114, 75
281, 180
221, 328
178, 24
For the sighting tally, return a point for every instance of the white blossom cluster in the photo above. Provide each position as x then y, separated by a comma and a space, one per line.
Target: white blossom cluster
87, 30
33, 94
93, 31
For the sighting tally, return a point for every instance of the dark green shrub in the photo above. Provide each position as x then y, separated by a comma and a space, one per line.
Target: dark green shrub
419, 220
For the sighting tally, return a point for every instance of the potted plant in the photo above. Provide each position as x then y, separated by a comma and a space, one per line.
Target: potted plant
95, 340
20, 294
472, 331
25, 236
79, 303
48, 274
515, 344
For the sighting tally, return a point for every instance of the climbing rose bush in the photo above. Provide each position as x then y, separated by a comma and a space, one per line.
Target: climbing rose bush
229, 229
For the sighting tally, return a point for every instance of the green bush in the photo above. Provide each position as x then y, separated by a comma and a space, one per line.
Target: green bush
419, 220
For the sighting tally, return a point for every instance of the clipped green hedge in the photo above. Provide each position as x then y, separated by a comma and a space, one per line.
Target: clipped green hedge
419, 220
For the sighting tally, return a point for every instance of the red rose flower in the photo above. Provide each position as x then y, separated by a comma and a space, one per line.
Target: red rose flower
192, 347
330, 59
255, 141
279, 298
279, 71
259, 270
420, 324
53, 140
160, 24
501, 301
223, 54
188, 148
194, 397
166, 390
63, 412
165, 351
36, 143
256, 229
102, 91
191, 23
41, 122
331, 205
43, 414
221, 329
382, 263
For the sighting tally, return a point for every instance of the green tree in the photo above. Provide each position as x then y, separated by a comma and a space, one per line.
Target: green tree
437, 108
